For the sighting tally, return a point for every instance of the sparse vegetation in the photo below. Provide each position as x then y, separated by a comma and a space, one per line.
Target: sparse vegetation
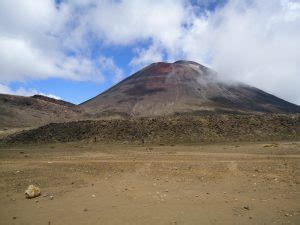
168, 130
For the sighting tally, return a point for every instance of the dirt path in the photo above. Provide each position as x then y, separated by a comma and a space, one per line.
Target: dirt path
95, 184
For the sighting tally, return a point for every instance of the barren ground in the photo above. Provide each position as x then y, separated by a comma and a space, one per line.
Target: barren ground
244, 183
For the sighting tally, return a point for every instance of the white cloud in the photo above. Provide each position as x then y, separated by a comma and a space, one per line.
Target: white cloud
24, 92
34, 37
50, 95
146, 56
256, 42
5, 89
19, 60
109, 66
123, 22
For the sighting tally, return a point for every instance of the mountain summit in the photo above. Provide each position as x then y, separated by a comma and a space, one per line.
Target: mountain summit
183, 87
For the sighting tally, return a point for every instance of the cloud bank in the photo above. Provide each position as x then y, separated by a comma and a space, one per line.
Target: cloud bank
256, 42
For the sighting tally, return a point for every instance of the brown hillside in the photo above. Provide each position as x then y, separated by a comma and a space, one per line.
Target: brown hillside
19, 111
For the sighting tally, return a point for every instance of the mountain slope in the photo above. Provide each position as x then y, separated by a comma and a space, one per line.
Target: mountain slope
19, 111
183, 87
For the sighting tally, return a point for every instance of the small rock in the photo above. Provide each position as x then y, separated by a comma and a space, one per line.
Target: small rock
93, 196
51, 197
18, 171
85, 210
14, 217
32, 191
247, 207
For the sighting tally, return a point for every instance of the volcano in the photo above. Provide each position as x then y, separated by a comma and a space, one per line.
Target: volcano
183, 87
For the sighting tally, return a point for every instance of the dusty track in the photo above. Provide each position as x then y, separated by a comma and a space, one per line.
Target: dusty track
110, 184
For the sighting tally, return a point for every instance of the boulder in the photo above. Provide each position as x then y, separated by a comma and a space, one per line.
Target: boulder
32, 191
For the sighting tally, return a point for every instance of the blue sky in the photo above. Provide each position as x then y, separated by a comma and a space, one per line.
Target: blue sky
76, 49
80, 91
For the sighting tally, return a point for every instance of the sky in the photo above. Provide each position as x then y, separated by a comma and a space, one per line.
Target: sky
76, 49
